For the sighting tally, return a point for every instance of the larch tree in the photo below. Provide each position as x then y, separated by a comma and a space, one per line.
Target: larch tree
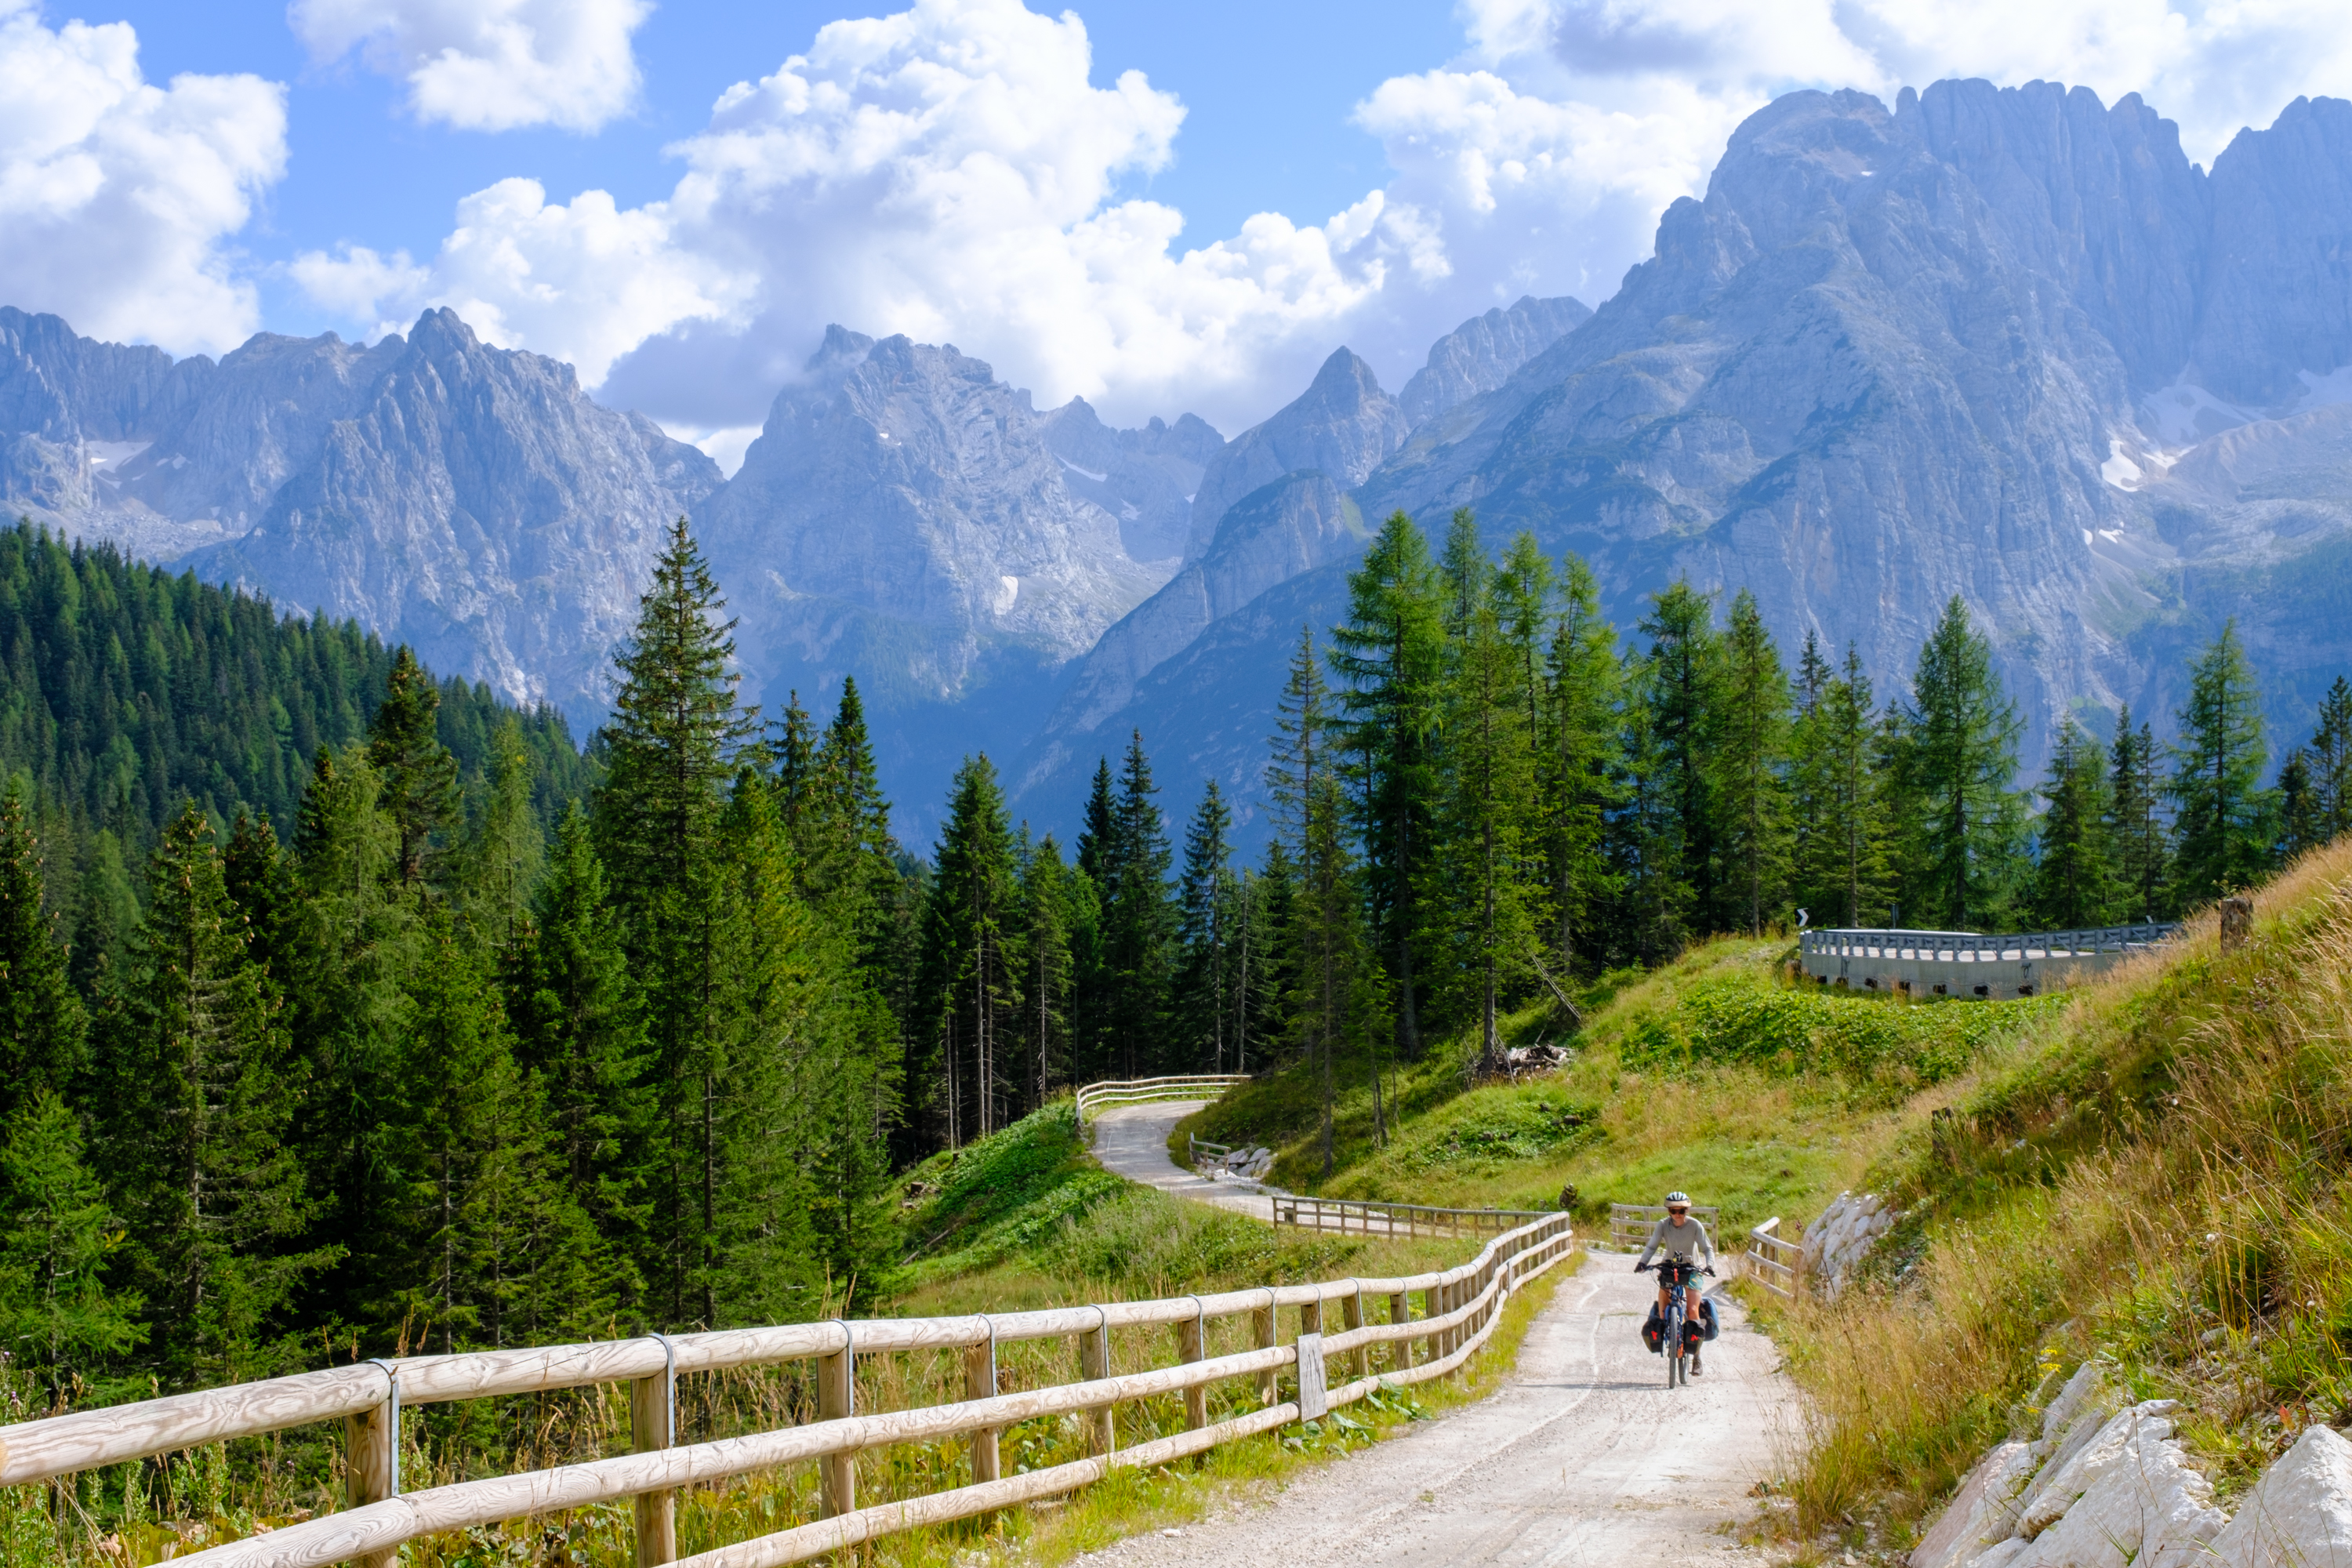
1956, 762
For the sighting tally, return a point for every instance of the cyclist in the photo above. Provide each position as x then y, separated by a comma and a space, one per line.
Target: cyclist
1682, 1239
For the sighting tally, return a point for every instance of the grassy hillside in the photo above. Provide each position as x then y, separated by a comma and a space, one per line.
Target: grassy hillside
1714, 1074
2154, 1172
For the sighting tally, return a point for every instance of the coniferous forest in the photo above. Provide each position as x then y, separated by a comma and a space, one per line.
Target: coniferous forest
349, 1011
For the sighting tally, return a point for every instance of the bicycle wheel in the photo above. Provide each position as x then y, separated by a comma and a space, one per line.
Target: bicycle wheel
1674, 1346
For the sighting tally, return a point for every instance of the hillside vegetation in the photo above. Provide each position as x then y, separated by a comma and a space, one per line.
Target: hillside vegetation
2154, 1172
1714, 1074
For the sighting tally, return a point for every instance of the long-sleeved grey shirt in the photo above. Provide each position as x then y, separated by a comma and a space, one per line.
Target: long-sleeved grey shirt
1683, 1243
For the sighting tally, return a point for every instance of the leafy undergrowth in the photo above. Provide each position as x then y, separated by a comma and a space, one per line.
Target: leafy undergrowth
2156, 1172
1715, 1073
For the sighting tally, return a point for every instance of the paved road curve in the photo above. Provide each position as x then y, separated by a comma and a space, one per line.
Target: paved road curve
1131, 1140
1583, 1457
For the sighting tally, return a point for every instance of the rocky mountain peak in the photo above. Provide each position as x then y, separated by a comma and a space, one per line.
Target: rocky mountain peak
1480, 354
1341, 426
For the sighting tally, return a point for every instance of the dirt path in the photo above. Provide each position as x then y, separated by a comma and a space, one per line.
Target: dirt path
1581, 1457
1131, 1140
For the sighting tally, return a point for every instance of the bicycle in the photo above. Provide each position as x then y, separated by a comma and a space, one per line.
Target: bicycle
1677, 1277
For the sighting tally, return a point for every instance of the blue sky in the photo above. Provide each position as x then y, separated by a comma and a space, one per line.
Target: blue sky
1159, 207
1268, 91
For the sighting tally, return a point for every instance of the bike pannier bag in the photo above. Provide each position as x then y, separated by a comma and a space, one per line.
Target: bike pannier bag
1707, 1309
1653, 1333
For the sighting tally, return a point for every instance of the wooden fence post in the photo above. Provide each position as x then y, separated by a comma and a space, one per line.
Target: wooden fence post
1094, 1364
836, 1400
1189, 1348
371, 1460
979, 1383
1262, 1327
652, 1424
1401, 1311
1351, 1313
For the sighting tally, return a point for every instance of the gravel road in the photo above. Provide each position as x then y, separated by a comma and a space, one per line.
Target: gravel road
1581, 1457
1131, 1140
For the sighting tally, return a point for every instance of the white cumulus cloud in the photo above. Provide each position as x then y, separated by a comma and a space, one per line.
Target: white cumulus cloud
489, 65
118, 197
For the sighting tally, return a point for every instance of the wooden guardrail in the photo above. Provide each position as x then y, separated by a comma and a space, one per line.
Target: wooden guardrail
1777, 1264
1363, 1218
1097, 1097
1460, 1309
1630, 1224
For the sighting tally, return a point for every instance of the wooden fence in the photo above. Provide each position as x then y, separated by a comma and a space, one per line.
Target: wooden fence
1777, 1264
1459, 1309
1630, 1224
1096, 1096
1354, 1217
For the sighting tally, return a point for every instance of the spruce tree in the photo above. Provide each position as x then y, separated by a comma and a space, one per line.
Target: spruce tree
1578, 766
1390, 658
2143, 844
1957, 759
2073, 876
1330, 997
1139, 920
42, 1027
1493, 910
1098, 833
670, 756
2331, 763
1749, 766
2299, 814
1679, 678
1203, 903
581, 1030
57, 1237
506, 849
2223, 815
1049, 893
198, 1097
418, 774
971, 976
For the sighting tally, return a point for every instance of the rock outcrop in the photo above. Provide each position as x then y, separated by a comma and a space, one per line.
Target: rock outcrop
1144, 478
2103, 1485
1341, 426
468, 499
1480, 354
904, 517
1841, 1236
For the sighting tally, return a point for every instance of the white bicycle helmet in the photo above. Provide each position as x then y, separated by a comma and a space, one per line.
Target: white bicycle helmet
1682, 1198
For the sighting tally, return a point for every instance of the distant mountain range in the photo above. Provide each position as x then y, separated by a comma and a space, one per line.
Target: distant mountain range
2007, 344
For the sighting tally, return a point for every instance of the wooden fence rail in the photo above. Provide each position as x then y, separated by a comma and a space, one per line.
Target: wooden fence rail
1775, 1263
1460, 1309
1630, 1224
1363, 1218
1096, 1096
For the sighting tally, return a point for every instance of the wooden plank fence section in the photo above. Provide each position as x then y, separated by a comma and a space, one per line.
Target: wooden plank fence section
1097, 1097
1352, 1216
1630, 1224
1775, 1263
1462, 1306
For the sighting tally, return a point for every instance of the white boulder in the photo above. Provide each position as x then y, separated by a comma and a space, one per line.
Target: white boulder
2087, 1385
2122, 1442
2299, 1515
2149, 1508
1982, 1511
